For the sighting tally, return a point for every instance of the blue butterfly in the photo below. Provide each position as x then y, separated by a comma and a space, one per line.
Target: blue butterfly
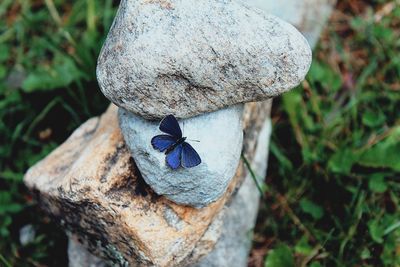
179, 153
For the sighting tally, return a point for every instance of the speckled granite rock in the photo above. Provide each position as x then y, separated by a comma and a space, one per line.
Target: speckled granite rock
221, 138
188, 57
91, 186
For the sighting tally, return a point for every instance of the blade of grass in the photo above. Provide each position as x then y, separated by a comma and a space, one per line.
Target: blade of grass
5, 262
391, 228
83, 98
8, 34
358, 212
108, 14
253, 175
4, 6
91, 15
40, 117
57, 19
72, 112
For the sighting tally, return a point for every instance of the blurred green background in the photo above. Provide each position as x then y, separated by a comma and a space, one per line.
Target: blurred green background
332, 190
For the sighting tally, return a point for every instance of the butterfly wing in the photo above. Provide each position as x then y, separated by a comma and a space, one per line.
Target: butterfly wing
190, 158
174, 157
171, 126
162, 142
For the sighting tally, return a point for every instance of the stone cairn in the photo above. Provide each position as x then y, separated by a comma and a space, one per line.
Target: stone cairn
206, 62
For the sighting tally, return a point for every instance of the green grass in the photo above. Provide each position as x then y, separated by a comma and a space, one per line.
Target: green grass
335, 152
332, 189
48, 53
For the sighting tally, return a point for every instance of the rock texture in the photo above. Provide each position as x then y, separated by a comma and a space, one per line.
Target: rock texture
309, 16
232, 248
91, 186
188, 57
79, 257
229, 231
221, 138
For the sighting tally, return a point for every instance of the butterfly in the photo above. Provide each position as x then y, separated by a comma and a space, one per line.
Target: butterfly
178, 152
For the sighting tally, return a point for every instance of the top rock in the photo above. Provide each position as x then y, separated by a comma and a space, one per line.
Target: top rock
188, 57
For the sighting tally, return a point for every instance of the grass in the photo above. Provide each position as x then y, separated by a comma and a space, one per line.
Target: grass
48, 52
332, 194
335, 152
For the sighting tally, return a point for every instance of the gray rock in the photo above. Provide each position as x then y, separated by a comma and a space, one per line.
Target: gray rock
188, 57
221, 136
78, 256
27, 234
228, 236
309, 16
232, 249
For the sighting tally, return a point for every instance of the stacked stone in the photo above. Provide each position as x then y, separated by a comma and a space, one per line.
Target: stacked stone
200, 61
206, 62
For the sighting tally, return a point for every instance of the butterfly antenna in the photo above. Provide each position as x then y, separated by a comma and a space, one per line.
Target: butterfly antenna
183, 132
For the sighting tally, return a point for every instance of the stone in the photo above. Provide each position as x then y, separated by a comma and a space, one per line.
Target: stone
309, 16
78, 256
188, 57
91, 186
227, 240
27, 234
221, 137
232, 248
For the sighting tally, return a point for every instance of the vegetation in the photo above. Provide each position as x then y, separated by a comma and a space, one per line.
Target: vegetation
48, 52
333, 179
332, 189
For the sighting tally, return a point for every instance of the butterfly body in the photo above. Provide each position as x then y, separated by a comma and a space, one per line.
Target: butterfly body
178, 152
178, 142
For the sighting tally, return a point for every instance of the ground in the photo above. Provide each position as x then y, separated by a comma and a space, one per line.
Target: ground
332, 190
